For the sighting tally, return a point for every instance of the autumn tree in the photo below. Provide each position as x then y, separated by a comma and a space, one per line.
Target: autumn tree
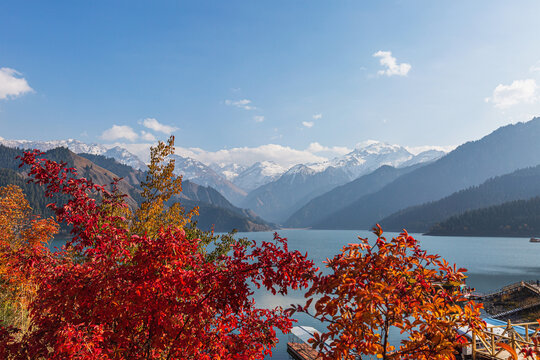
22, 234
161, 185
146, 293
161, 207
390, 285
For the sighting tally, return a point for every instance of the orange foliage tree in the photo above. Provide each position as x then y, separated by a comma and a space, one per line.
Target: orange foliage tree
386, 286
21, 235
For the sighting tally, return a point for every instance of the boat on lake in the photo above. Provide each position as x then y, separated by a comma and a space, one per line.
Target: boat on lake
534, 239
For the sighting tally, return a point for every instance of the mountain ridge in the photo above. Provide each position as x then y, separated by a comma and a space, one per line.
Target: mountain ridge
278, 200
521, 184
220, 210
504, 150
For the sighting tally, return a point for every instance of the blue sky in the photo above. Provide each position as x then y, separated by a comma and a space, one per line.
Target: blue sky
300, 75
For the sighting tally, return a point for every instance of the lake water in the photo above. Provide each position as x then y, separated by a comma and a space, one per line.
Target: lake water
491, 262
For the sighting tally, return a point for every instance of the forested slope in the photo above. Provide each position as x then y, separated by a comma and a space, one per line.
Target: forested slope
522, 184
515, 218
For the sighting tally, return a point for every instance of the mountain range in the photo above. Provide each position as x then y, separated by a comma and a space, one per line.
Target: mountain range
376, 182
236, 182
215, 212
279, 199
522, 184
341, 196
503, 151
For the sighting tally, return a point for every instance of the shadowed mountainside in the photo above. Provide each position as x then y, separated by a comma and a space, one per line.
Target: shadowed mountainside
503, 151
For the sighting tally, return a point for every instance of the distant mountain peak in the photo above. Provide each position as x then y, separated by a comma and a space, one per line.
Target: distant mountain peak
202, 174
120, 154
367, 143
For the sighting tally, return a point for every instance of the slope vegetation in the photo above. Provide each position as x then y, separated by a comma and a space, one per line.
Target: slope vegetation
215, 211
505, 150
344, 195
514, 218
520, 185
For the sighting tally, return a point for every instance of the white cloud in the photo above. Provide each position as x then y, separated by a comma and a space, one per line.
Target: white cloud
242, 104
390, 62
258, 118
119, 132
315, 147
415, 150
535, 67
155, 125
147, 136
11, 84
308, 124
317, 116
282, 155
520, 91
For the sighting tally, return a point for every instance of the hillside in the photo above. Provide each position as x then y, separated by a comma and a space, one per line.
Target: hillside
503, 151
128, 173
281, 198
99, 175
277, 200
214, 208
85, 168
515, 218
199, 173
520, 185
344, 195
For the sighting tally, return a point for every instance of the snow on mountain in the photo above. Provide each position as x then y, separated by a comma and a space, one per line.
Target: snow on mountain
125, 157
424, 157
202, 174
119, 154
366, 157
278, 199
229, 170
74, 145
258, 174
234, 180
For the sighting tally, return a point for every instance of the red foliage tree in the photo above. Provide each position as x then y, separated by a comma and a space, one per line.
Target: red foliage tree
386, 285
109, 294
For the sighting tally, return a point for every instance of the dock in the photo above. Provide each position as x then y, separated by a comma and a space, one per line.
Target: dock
298, 346
519, 302
485, 344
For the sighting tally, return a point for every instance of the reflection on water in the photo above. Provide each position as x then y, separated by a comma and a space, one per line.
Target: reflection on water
491, 262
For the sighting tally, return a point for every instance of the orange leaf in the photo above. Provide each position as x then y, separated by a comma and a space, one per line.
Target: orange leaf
509, 349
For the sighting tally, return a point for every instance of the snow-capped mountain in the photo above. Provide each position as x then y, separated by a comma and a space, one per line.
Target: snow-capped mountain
424, 157
202, 174
125, 157
230, 171
366, 157
258, 174
74, 145
301, 183
119, 154
249, 177
274, 190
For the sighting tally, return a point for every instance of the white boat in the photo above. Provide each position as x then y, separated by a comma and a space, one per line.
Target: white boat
533, 239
